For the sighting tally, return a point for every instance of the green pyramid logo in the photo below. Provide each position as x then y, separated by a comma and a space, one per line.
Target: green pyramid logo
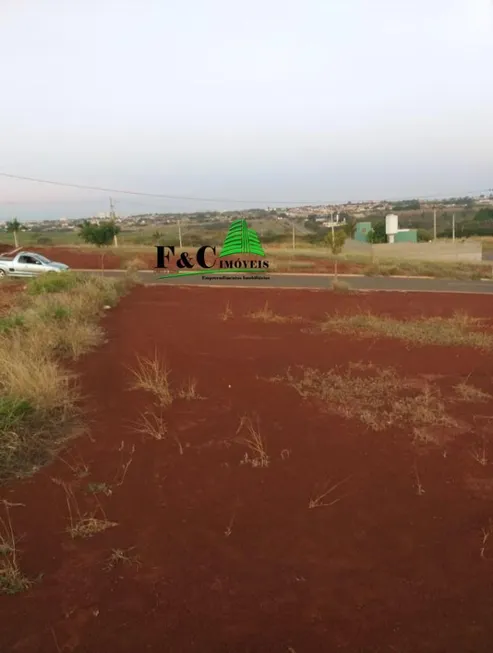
241, 240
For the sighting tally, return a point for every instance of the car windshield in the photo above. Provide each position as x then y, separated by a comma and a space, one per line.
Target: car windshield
43, 259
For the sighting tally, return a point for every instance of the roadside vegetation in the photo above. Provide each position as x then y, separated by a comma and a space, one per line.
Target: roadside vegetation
56, 319
458, 330
435, 269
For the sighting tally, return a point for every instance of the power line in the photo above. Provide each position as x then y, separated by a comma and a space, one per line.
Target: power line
216, 199
143, 194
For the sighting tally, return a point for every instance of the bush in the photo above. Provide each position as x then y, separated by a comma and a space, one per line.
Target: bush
377, 234
43, 240
424, 236
52, 282
10, 322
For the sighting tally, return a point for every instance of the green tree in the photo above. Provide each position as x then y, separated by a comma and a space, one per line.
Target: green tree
101, 235
424, 235
350, 227
377, 234
335, 241
484, 214
157, 238
13, 227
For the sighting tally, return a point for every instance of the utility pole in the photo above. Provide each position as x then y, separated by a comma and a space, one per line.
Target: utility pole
112, 217
453, 227
294, 236
434, 223
179, 233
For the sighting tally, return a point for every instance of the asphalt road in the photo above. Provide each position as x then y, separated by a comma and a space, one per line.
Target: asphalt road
315, 281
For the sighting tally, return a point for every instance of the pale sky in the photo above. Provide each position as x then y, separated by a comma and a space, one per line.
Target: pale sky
267, 101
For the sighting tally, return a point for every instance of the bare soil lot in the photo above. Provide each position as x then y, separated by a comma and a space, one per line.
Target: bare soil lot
243, 516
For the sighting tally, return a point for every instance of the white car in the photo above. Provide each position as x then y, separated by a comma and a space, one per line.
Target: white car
28, 264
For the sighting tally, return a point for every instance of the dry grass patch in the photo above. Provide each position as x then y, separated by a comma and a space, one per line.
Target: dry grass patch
56, 318
121, 557
256, 456
378, 397
227, 313
99, 488
83, 525
189, 390
153, 426
324, 498
467, 392
152, 375
458, 330
12, 580
266, 314
35, 376
38, 408
480, 454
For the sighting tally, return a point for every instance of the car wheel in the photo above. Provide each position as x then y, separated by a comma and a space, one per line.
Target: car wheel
2, 273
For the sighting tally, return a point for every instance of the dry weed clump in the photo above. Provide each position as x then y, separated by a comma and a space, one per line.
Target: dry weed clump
153, 375
378, 397
323, 498
227, 313
12, 580
479, 453
256, 456
189, 391
83, 525
458, 330
469, 393
121, 557
266, 314
152, 425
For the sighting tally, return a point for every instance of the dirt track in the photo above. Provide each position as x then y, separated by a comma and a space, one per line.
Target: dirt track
382, 570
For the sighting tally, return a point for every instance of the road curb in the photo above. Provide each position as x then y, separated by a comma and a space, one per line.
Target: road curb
310, 274
352, 291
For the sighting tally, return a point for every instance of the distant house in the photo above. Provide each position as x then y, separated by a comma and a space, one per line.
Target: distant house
362, 231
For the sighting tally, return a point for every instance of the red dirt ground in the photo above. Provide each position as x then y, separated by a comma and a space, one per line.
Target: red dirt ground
382, 570
78, 258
